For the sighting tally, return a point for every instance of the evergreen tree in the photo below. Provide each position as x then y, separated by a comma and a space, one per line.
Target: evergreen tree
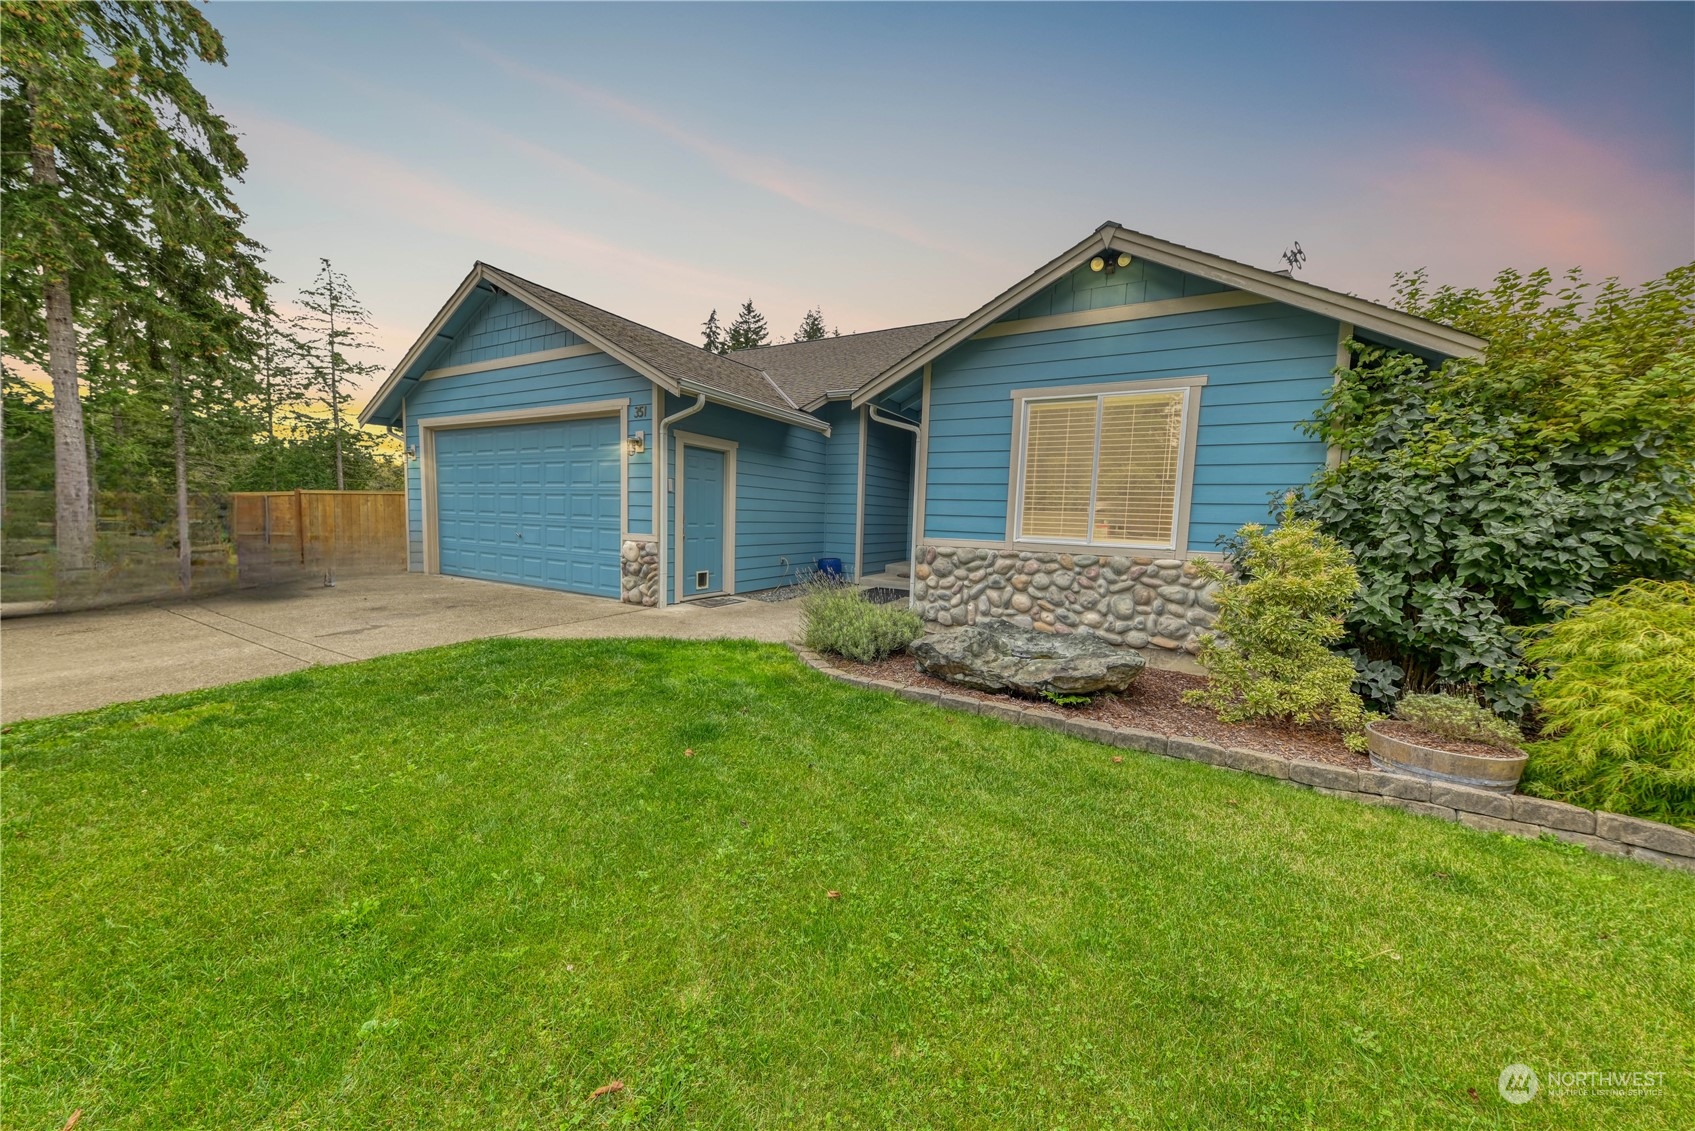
113, 144
811, 327
748, 330
714, 334
334, 324
282, 387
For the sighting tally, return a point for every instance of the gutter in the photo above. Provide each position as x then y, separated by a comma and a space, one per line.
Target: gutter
662, 521
731, 400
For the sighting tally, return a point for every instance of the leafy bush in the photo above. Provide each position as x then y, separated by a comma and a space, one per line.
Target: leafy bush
1271, 657
1458, 718
839, 619
1618, 702
1560, 466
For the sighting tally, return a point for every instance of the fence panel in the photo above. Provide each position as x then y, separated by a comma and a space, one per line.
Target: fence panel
279, 534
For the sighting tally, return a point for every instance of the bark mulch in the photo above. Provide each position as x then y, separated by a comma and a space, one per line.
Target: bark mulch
1153, 703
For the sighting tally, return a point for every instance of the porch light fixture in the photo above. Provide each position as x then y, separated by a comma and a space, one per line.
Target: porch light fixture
1110, 263
411, 451
637, 443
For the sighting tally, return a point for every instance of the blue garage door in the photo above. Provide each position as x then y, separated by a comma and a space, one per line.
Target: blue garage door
537, 504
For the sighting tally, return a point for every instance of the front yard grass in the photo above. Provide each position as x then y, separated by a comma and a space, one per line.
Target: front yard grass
469, 886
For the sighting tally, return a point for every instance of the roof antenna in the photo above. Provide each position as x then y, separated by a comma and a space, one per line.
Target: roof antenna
1295, 257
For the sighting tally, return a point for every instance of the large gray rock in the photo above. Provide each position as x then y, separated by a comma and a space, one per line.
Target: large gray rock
999, 656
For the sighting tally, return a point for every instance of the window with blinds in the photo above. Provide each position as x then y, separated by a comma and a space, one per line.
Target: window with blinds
1102, 468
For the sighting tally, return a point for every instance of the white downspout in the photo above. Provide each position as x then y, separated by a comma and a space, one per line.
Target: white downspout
662, 522
912, 508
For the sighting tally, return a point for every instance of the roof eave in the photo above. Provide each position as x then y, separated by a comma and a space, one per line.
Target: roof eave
745, 404
518, 289
1362, 313
367, 415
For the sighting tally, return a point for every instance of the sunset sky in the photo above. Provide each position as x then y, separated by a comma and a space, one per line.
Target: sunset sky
898, 164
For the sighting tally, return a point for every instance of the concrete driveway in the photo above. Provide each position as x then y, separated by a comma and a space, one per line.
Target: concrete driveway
74, 661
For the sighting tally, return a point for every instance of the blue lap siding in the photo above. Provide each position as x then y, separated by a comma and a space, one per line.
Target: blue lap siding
779, 494
1267, 368
497, 332
841, 485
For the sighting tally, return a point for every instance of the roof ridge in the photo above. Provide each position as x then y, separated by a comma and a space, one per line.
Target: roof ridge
841, 337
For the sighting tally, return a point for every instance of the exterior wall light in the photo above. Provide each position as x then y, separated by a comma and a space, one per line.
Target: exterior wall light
1110, 263
637, 443
411, 451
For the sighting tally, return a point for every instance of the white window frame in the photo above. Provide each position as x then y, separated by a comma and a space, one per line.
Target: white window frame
1189, 387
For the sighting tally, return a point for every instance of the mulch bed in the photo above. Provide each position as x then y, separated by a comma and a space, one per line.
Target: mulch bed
1153, 703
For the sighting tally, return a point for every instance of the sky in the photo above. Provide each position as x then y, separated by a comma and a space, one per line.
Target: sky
894, 164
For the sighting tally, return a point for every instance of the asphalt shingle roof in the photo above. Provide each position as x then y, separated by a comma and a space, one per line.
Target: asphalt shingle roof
812, 371
673, 357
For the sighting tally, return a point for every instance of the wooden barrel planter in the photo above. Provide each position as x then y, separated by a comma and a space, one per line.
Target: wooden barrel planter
1475, 771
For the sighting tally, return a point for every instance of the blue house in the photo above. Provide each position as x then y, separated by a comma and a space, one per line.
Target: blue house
1055, 457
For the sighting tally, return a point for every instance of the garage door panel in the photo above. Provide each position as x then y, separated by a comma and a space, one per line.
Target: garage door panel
537, 504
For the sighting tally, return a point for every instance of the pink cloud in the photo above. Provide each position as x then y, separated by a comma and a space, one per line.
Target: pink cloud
1526, 189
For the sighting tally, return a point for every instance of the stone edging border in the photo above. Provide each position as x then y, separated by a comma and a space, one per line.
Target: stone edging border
1611, 834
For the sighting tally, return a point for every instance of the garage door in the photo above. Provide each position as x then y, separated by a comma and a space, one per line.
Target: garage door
536, 504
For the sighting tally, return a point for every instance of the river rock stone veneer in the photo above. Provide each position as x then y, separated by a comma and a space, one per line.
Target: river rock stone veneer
1133, 601
638, 563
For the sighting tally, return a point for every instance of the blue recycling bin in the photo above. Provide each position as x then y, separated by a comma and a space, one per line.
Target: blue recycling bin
831, 568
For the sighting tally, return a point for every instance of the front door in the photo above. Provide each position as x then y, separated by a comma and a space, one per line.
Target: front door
703, 521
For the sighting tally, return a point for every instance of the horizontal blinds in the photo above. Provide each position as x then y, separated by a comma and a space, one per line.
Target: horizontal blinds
1059, 459
1141, 438
1134, 490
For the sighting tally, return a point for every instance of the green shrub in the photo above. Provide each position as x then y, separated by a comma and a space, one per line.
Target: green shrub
1618, 704
1458, 718
1271, 656
1559, 466
839, 619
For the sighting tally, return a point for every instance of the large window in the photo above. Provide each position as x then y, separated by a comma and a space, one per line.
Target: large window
1102, 468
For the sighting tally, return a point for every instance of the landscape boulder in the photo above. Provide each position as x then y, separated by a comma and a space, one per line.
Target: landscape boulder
996, 655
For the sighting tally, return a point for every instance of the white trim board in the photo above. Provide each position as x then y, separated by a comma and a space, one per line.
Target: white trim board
1129, 312
1189, 387
510, 362
428, 427
859, 502
728, 447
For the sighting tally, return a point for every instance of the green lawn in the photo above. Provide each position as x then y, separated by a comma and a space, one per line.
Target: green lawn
466, 887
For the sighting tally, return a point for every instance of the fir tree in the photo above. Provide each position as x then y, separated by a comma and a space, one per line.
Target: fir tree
713, 334
748, 330
811, 327
111, 154
334, 322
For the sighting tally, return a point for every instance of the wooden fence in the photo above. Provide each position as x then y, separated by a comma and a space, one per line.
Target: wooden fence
284, 534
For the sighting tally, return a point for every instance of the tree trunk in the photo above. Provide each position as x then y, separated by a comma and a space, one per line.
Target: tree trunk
73, 515
179, 441
335, 408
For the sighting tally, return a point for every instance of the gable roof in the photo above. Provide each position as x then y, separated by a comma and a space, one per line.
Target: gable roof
1398, 325
813, 372
674, 364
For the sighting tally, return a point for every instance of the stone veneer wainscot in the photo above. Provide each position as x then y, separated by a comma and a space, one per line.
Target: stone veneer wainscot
638, 563
1132, 601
